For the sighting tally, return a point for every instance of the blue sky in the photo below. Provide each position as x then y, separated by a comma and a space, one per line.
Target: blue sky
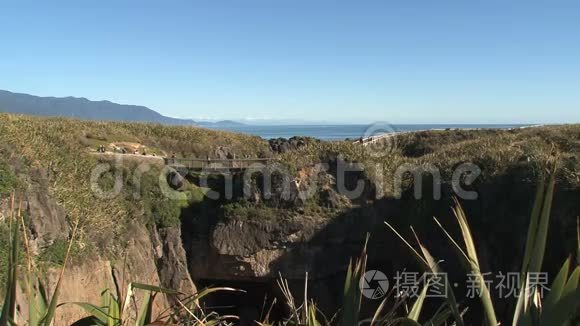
335, 61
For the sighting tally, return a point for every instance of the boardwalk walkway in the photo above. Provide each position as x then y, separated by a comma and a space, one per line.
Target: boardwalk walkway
375, 139
215, 164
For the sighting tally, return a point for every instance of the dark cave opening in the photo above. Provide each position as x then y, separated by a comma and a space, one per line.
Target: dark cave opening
252, 301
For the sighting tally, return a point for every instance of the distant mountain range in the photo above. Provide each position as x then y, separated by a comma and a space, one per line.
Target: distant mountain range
82, 108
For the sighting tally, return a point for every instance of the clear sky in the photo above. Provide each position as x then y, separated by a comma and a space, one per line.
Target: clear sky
400, 61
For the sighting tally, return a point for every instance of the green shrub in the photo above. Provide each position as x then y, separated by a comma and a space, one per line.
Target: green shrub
4, 252
243, 210
164, 212
55, 253
159, 209
7, 179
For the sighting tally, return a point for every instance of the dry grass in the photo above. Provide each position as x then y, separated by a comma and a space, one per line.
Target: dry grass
57, 145
496, 152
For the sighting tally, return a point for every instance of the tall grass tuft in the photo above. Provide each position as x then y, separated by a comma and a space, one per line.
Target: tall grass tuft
531, 310
42, 309
9, 308
352, 297
113, 309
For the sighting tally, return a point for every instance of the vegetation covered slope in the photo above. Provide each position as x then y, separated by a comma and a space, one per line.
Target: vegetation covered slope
62, 148
495, 152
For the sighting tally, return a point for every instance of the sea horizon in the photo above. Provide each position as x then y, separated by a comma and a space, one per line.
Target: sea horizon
334, 132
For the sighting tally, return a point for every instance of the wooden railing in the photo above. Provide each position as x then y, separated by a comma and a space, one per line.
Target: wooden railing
201, 164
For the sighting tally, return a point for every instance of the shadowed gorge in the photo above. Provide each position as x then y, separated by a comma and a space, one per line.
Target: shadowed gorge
251, 251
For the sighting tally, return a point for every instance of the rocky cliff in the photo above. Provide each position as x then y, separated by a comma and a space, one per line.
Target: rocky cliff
151, 256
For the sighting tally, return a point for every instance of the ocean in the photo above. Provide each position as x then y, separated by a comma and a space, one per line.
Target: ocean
341, 132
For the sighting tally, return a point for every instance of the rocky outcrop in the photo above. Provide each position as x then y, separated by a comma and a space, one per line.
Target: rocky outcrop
283, 145
296, 225
81, 283
149, 257
85, 281
251, 252
293, 192
260, 250
47, 219
254, 245
171, 261
223, 153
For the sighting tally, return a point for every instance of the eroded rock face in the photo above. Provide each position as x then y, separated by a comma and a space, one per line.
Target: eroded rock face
85, 281
252, 253
80, 283
289, 240
260, 250
172, 263
258, 244
150, 257
47, 218
249, 251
